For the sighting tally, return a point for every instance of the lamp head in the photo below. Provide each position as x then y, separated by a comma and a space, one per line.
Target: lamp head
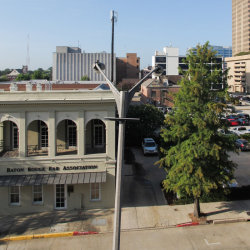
100, 65
159, 70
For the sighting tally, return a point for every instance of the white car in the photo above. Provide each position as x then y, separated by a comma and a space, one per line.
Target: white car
149, 146
240, 130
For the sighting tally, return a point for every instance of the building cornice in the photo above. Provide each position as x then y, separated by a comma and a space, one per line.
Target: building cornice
56, 97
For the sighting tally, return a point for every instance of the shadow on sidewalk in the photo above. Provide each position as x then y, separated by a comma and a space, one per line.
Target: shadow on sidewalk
44, 222
228, 208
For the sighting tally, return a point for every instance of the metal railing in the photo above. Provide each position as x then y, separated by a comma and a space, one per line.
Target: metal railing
7, 151
36, 150
63, 149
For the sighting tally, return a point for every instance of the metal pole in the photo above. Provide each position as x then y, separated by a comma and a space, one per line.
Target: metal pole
120, 154
122, 100
112, 47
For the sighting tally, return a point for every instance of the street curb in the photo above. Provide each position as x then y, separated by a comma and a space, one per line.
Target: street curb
48, 235
188, 224
232, 220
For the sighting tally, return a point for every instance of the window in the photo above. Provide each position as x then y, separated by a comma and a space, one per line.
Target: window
99, 140
95, 191
160, 59
153, 94
14, 136
71, 132
15, 195
37, 194
43, 135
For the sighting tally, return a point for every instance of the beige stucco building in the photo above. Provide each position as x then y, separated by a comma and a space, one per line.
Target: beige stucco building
239, 73
57, 150
240, 26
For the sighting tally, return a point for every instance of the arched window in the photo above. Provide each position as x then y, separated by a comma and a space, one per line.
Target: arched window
66, 137
9, 139
95, 137
37, 138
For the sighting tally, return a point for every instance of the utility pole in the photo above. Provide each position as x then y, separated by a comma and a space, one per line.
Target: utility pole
113, 20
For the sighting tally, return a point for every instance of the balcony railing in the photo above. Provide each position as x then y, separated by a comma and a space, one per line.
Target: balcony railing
7, 151
64, 150
36, 150
12, 153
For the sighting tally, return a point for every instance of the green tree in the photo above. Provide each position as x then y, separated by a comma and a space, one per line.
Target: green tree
85, 78
5, 72
150, 119
197, 161
3, 78
38, 74
23, 77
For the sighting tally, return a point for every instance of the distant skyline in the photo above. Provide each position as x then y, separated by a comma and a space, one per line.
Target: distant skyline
142, 27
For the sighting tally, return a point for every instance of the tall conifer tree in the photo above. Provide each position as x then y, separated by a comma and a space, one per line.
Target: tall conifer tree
197, 160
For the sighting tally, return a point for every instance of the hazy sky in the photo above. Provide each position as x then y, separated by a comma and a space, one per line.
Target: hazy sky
142, 27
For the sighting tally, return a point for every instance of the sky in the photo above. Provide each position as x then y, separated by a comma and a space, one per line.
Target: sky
142, 27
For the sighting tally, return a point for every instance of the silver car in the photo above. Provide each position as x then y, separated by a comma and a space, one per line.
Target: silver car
149, 146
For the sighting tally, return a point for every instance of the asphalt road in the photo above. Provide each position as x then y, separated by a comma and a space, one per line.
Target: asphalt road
141, 184
242, 172
225, 236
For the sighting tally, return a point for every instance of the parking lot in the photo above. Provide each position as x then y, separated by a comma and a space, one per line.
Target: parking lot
242, 172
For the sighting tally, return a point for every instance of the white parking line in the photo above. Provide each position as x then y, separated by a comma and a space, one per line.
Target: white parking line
210, 244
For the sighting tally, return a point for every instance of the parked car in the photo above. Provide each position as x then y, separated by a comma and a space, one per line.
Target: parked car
241, 131
243, 121
225, 132
243, 116
245, 98
232, 117
149, 146
242, 144
169, 110
233, 122
162, 109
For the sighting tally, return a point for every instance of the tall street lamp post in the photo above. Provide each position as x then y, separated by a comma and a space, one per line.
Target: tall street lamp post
122, 99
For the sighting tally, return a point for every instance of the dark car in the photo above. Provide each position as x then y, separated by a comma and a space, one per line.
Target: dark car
243, 116
232, 117
242, 144
243, 121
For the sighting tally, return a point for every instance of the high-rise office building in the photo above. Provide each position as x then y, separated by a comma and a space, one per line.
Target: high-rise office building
222, 51
240, 26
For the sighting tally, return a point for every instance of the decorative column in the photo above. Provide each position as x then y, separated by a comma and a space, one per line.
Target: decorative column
23, 131
80, 134
110, 136
52, 134
1, 137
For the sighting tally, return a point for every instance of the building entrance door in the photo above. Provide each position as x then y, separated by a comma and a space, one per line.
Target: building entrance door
60, 196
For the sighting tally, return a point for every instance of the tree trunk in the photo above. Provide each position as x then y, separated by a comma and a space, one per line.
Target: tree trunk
197, 211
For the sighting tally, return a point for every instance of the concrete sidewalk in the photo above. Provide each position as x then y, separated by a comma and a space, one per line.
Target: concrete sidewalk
133, 218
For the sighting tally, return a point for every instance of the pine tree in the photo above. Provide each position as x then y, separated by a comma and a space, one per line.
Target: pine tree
197, 160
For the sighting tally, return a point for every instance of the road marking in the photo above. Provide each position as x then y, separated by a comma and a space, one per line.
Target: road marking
214, 243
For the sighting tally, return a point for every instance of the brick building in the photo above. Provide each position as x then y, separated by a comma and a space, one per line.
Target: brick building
158, 92
127, 67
